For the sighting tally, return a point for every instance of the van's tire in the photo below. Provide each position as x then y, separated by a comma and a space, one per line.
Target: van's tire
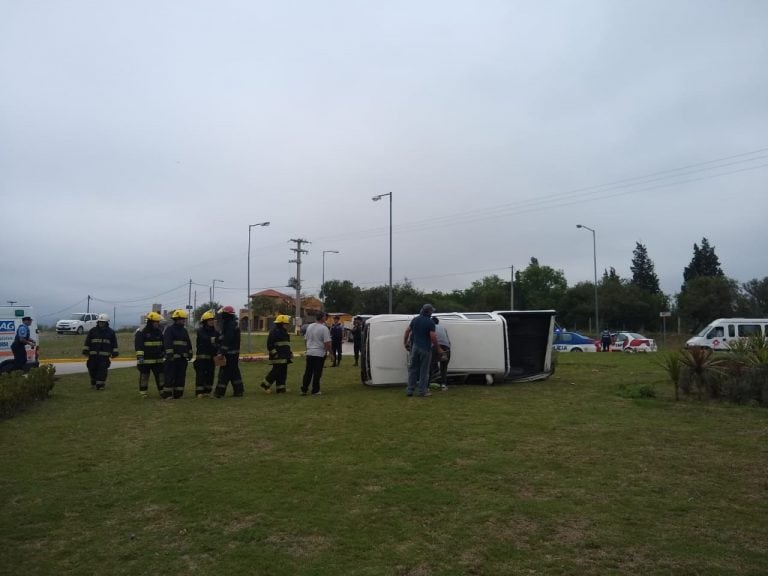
630, 350
576, 350
79, 329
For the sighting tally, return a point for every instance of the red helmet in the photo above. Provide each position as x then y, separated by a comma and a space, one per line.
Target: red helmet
227, 310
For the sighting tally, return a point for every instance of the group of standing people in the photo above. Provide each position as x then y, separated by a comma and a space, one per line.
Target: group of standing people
165, 354
321, 342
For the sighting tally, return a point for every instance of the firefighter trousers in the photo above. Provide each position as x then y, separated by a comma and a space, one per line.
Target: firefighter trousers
175, 377
230, 373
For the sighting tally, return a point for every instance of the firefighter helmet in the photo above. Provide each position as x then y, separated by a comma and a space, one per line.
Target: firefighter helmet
179, 314
227, 310
102, 318
282, 319
154, 317
207, 316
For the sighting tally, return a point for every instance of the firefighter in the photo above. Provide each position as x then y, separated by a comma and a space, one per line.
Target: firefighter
280, 355
228, 354
207, 340
100, 347
178, 353
150, 354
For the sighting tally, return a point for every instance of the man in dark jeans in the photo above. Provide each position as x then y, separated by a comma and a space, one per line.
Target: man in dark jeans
318, 339
420, 339
337, 336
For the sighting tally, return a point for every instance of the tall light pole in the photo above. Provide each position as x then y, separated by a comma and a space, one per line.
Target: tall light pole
376, 199
213, 290
248, 299
594, 261
322, 286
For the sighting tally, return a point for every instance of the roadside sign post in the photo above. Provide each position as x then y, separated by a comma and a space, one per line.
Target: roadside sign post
664, 316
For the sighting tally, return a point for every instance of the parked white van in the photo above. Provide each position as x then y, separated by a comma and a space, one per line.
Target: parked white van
486, 347
719, 332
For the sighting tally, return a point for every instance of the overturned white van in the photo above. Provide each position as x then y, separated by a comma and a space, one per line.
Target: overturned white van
719, 332
485, 346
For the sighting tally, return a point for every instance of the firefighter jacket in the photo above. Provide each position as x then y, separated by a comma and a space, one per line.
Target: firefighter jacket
207, 341
100, 342
148, 344
279, 345
229, 341
177, 343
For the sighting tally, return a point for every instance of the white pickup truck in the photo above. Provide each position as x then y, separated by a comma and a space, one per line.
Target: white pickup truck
78, 323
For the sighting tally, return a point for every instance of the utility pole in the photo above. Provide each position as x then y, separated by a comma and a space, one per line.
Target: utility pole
88, 304
299, 251
511, 287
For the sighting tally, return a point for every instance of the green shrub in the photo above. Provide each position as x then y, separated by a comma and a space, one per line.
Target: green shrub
749, 386
17, 391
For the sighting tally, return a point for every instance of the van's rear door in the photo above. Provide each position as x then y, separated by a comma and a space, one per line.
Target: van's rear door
529, 340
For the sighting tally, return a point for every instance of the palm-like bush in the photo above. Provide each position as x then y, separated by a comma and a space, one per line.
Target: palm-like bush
703, 369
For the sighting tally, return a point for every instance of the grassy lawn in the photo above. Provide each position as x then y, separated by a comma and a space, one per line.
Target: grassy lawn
575, 475
57, 346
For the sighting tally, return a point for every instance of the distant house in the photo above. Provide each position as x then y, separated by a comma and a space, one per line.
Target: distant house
272, 303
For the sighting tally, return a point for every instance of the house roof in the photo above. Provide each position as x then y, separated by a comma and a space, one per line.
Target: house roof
269, 293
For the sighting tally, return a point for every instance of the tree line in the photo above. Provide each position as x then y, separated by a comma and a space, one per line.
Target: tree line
624, 303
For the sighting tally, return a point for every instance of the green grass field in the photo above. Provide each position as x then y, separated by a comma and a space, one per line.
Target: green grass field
575, 475
62, 346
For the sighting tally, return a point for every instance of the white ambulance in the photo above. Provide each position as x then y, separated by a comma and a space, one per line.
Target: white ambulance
719, 332
10, 320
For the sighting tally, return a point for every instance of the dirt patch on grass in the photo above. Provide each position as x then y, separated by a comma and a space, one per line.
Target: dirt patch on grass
299, 545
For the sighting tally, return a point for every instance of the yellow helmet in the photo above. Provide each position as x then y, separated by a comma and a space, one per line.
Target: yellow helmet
154, 317
179, 314
207, 316
283, 319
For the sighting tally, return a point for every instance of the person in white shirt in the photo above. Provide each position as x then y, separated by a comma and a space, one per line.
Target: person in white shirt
318, 340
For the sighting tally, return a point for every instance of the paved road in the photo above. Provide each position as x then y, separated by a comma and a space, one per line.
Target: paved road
79, 367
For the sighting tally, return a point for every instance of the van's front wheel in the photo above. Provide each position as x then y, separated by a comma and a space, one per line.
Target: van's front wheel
79, 329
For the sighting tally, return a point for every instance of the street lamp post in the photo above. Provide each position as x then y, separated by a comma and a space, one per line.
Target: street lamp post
376, 199
213, 290
248, 300
322, 286
594, 261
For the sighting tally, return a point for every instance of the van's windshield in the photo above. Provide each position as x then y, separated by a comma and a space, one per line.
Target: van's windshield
703, 333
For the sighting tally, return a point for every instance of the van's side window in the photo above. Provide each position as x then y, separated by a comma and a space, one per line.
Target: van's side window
716, 332
746, 330
731, 330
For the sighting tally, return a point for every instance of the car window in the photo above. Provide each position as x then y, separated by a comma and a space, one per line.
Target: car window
565, 338
716, 332
746, 330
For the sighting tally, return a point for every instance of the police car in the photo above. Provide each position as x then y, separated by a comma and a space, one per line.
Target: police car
573, 342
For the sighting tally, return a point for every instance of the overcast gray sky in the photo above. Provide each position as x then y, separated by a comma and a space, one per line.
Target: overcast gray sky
138, 140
